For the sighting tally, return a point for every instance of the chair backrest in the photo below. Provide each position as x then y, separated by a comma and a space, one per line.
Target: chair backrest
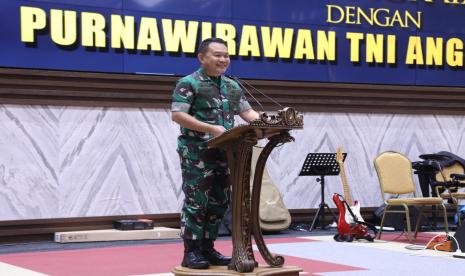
394, 173
444, 176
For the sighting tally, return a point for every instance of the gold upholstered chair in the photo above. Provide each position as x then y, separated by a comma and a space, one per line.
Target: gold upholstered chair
395, 179
448, 181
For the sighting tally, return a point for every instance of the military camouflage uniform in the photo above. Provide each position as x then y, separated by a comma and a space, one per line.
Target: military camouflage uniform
205, 171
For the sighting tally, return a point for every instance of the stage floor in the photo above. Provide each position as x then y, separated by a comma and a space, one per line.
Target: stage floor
315, 252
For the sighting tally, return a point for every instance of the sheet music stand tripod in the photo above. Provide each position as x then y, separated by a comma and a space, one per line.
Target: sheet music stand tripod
321, 164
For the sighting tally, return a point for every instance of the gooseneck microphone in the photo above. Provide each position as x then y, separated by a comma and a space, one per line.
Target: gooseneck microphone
243, 83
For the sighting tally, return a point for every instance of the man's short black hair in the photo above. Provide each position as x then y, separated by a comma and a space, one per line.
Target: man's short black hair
204, 44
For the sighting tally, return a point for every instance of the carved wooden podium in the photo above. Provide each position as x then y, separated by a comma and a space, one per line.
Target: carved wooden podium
238, 143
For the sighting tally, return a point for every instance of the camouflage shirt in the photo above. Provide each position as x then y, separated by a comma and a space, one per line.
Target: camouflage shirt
200, 96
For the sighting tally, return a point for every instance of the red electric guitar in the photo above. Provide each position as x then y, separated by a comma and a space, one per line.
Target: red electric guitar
350, 223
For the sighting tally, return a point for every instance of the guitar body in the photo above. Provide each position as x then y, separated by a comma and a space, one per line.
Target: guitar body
356, 211
347, 227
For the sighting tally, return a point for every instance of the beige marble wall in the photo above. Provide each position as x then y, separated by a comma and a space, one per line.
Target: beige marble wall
92, 161
80, 161
363, 137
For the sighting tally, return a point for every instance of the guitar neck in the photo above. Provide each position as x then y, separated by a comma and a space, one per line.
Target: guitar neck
345, 184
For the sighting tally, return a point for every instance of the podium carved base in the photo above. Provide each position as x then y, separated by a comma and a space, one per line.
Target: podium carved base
223, 270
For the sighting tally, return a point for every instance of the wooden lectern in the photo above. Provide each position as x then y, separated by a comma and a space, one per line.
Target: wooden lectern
238, 143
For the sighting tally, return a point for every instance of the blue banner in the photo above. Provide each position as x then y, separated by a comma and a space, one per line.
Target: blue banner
384, 42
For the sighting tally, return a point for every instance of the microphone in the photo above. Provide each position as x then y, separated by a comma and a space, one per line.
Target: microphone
241, 84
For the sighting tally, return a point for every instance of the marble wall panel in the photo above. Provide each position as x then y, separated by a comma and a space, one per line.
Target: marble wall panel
58, 162
363, 137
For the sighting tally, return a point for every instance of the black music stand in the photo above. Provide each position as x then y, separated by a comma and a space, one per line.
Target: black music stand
321, 164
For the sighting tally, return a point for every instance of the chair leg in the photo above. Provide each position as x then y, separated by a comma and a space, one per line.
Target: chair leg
446, 225
382, 221
419, 220
407, 216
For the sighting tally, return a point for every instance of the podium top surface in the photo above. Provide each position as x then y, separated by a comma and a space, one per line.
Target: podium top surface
265, 126
235, 133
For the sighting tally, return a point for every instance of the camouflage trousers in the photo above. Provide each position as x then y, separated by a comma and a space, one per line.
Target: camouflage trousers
207, 194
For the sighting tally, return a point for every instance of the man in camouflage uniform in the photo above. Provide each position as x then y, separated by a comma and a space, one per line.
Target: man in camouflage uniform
204, 105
